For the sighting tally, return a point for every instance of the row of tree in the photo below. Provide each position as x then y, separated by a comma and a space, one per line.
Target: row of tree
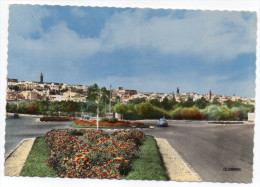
138, 108
96, 97
146, 110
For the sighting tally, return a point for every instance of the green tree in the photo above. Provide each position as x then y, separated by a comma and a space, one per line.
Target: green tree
117, 99
229, 103
42, 107
225, 113
120, 108
15, 88
188, 103
173, 102
165, 104
91, 107
201, 103
215, 102
144, 110
21, 107
249, 108
212, 112
138, 100
53, 107
105, 94
93, 93
237, 103
155, 102
11, 107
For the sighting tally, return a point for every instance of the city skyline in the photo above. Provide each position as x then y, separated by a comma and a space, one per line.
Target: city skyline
152, 50
175, 92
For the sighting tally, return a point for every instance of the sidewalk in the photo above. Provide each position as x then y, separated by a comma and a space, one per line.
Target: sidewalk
177, 168
15, 161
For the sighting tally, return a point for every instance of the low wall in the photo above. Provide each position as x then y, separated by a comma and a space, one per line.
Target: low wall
27, 115
251, 116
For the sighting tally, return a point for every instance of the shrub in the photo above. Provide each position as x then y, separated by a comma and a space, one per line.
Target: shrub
144, 110
148, 111
191, 114
187, 113
176, 113
225, 113
212, 112
238, 113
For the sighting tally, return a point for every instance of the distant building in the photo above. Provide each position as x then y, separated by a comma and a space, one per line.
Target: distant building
12, 80
209, 95
41, 78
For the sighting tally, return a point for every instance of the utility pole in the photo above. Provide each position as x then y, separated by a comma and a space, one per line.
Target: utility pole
110, 100
98, 101
97, 116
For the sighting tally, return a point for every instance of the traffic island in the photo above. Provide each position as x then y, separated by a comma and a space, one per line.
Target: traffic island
176, 168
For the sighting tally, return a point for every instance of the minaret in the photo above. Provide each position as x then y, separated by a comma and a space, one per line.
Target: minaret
178, 91
209, 95
41, 78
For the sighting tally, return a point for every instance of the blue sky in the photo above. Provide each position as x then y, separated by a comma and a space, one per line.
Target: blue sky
154, 50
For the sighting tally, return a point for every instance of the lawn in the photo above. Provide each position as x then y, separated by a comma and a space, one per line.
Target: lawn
36, 162
149, 166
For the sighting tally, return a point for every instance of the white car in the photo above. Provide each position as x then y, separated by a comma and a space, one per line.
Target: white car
162, 123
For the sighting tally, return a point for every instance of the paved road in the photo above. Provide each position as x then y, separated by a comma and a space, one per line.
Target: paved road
27, 127
211, 148
207, 148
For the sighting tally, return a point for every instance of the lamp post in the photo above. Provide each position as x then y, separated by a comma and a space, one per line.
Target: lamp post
97, 116
98, 101
110, 100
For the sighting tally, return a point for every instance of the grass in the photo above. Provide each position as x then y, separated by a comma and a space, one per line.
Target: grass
149, 166
35, 164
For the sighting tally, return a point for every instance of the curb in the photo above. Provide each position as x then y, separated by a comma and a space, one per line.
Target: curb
7, 155
177, 168
188, 166
16, 159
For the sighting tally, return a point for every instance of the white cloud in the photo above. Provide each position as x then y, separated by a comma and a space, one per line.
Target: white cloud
211, 35
78, 12
26, 19
59, 43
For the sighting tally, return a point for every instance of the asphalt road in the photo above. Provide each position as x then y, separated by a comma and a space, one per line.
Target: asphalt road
26, 127
211, 149
208, 149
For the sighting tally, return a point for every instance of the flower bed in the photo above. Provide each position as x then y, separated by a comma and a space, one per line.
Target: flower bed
58, 118
92, 153
82, 123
